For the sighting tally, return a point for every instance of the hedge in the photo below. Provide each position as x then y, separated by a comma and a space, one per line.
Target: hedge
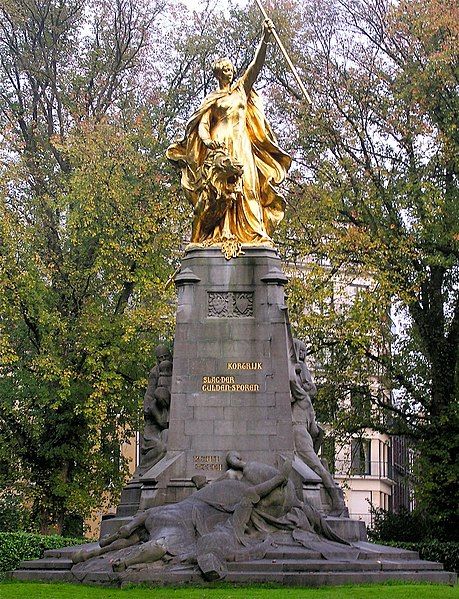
446, 552
18, 546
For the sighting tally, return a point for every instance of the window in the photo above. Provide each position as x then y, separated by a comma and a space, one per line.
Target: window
361, 456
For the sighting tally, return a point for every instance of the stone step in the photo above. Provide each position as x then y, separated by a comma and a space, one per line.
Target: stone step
44, 575
286, 552
373, 551
282, 552
406, 556
294, 565
265, 565
317, 579
304, 579
409, 565
388, 553
47, 564
288, 573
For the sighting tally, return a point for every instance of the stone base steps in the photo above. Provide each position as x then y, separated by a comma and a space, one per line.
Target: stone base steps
47, 564
289, 578
285, 565
67, 552
43, 575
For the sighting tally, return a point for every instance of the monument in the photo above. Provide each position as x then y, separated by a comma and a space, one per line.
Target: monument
229, 484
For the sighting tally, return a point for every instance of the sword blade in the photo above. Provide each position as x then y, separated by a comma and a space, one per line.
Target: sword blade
286, 56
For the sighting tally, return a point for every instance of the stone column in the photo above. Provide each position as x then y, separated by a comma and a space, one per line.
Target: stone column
230, 387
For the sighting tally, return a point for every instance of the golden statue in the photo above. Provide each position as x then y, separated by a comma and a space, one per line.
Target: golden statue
231, 163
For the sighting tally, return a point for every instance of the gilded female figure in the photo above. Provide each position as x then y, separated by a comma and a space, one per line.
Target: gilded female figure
231, 163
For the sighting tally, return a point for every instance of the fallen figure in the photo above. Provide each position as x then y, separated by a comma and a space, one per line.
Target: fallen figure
233, 518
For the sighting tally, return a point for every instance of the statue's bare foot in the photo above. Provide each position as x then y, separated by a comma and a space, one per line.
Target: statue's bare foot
80, 556
119, 565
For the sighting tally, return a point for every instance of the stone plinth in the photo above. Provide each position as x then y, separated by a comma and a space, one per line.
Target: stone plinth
230, 387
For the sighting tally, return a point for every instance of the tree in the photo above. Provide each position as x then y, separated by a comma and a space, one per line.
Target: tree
377, 198
91, 216
85, 235
91, 94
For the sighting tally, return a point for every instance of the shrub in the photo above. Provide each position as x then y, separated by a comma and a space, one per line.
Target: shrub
18, 546
446, 552
405, 526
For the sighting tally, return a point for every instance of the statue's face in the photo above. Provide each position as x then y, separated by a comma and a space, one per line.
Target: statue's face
162, 353
226, 71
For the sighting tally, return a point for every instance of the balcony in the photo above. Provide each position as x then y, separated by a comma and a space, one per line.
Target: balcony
363, 469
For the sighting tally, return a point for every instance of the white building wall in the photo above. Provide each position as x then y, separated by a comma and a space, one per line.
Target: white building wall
369, 483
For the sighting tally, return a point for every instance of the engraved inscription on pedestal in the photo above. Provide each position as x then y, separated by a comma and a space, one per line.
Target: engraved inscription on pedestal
208, 462
244, 365
229, 304
227, 384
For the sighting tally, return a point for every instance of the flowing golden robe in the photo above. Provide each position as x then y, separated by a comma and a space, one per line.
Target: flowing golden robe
236, 121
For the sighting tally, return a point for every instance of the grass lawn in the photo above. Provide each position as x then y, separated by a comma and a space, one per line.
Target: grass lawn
26, 590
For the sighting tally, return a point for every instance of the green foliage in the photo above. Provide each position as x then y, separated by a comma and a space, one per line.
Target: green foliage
19, 546
14, 516
415, 526
417, 531
372, 228
88, 235
445, 552
81, 319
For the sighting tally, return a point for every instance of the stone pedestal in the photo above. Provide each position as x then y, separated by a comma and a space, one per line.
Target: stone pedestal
230, 392
230, 388
230, 385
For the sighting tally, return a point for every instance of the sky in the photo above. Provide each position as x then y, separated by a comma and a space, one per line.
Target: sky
196, 4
